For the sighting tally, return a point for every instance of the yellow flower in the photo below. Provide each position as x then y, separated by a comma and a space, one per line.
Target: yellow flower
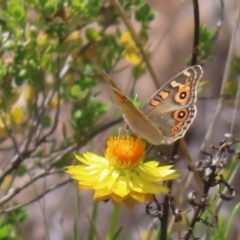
29, 94
12, 98
73, 36
131, 52
122, 175
54, 102
9, 120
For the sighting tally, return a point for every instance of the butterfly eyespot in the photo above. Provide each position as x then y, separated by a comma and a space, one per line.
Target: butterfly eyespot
182, 96
180, 115
175, 129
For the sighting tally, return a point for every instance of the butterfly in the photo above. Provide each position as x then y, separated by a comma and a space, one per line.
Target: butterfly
170, 111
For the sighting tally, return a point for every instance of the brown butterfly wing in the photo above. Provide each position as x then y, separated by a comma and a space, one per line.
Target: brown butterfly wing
171, 109
139, 124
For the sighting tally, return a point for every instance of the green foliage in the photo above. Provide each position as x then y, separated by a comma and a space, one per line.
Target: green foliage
231, 87
144, 14
92, 34
224, 226
205, 48
236, 65
139, 70
9, 222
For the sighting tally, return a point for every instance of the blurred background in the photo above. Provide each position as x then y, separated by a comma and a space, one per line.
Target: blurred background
170, 40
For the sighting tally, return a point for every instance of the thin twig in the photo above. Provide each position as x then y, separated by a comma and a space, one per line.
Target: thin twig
37, 198
165, 216
230, 180
196, 32
220, 21
70, 59
225, 78
16, 161
208, 184
15, 191
136, 40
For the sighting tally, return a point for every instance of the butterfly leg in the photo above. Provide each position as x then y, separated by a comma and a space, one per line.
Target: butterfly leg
121, 129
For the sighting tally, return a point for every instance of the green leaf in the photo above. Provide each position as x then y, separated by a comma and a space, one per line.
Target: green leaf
23, 73
19, 80
92, 230
236, 65
144, 14
5, 231
75, 91
66, 160
9, 45
17, 215
138, 2
230, 221
16, 9
75, 227
77, 114
92, 34
46, 121
117, 233
2, 69
3, 23
64, 130
139, 70
21, 171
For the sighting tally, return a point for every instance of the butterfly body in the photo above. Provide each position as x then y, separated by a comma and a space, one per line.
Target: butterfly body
170, 111
138, 122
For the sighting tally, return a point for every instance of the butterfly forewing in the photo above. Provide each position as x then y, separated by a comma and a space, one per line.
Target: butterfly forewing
171, 109
178, 92
139, 124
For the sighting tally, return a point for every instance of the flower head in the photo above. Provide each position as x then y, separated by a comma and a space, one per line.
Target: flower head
122, 175
130, 52
9, 120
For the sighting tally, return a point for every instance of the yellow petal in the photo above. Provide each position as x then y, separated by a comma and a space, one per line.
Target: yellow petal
95, 159
113, 178
101, 194
126, 38
132, 57
121, 187
17, 115
138, 196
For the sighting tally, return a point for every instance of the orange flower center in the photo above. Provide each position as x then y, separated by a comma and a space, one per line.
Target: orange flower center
125, 152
